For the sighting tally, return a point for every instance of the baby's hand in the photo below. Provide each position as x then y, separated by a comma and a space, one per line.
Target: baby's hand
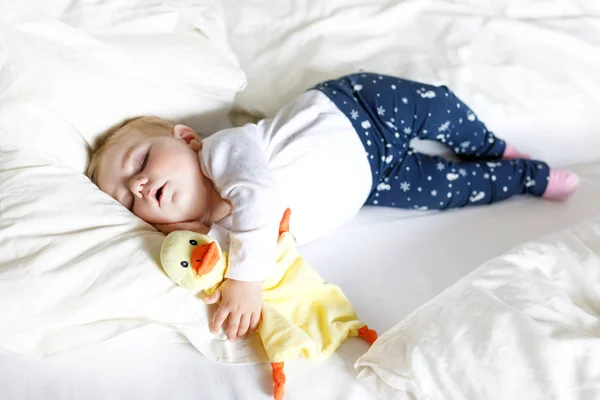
242, 303
194, 226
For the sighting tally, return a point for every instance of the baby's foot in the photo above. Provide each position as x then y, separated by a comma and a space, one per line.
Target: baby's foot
561, 184
511, 153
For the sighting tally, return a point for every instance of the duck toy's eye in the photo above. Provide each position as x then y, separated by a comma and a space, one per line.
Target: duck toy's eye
184, 264
193, 242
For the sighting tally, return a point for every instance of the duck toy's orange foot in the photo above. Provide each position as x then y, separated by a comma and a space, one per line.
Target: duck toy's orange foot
367, 334
278, 380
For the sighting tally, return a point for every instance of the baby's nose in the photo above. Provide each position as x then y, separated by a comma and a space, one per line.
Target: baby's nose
136, 185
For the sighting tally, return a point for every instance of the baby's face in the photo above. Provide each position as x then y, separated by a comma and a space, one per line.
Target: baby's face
157, 177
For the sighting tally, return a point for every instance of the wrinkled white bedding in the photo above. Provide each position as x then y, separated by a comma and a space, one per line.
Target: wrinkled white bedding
71, 69
419, 257
527, 67
75, 267
523, 325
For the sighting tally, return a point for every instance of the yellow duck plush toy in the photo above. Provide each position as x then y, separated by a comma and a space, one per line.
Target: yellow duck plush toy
302, 314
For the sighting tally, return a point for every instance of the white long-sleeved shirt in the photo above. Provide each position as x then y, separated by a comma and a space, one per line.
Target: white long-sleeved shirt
308, 158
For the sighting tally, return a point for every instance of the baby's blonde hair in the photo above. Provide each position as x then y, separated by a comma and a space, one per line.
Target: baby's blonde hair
146, 125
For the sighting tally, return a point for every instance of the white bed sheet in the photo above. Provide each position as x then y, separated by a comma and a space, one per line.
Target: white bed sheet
407, 260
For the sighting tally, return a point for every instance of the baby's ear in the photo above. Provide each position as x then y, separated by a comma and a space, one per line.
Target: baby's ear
188, 135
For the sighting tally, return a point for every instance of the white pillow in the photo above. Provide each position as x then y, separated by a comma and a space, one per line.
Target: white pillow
76, 267
61, 84
521, 326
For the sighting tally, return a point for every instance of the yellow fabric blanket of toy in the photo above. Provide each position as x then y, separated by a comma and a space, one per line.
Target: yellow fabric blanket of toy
302, 314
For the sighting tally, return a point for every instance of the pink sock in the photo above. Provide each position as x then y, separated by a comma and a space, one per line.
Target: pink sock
511, 153
561, 184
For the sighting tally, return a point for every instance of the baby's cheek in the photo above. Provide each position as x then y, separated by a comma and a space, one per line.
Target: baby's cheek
181, 207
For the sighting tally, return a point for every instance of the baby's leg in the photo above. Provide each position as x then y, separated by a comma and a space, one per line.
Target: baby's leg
423, 182
451, 122
418, 110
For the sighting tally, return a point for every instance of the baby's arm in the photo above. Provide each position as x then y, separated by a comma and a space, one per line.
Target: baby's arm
237, 165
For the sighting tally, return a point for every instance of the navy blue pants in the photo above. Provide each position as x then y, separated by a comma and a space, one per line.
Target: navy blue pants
388, 112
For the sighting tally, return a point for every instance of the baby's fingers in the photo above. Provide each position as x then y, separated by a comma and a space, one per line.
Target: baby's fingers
244, 325
213, 298
233, 326
254, 321
219, 319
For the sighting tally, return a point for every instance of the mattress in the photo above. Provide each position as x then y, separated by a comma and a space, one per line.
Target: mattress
528, 69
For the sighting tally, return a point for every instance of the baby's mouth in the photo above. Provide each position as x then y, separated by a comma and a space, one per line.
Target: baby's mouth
159, 194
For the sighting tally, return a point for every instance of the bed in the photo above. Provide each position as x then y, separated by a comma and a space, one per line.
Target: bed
529, 69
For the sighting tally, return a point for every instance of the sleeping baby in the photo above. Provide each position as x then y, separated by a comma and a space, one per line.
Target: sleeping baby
331, 150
